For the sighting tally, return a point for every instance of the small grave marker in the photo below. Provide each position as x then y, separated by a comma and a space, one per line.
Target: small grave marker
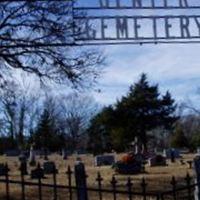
3, 169
157, 160
49, 168
37, 173
22, 158
64, 154
23, 168
12, 153
104, 160
171, 154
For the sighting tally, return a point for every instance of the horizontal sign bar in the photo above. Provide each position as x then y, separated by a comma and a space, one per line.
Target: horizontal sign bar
140, 28
86, 43
141, 4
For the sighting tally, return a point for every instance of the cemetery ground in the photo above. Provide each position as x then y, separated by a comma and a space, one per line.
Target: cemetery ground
158, 178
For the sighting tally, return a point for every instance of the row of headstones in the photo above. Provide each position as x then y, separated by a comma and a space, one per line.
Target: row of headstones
32, 156
154, 159
48, 168
33, 153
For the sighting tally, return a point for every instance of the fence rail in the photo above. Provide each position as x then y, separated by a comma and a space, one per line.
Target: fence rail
114, 191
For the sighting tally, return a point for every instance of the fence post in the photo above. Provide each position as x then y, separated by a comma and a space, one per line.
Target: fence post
55, 182
7, 182
80, 179
188, 182
144, 187
173, 183
69, 174
114, 185
99, 180
23, 171
39, 181
197, 172
129, 186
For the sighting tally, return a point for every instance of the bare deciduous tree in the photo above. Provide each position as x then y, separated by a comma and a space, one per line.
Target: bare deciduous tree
36, 37
18, 110
77, 111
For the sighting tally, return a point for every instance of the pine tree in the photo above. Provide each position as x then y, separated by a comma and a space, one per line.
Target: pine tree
47, 135
179, 140
142, 110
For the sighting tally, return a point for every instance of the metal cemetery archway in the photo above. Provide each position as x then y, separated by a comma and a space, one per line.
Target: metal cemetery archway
137, 21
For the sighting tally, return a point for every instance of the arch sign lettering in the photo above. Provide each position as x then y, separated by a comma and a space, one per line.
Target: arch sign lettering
138, 21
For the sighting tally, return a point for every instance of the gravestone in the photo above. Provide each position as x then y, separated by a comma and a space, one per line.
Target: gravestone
43, 153
3, 169
157, 160
32, 160
197, 173
198, 150
46, 154
184, 151
12, 153
129, 168
64, 154
81, 152
22, 158
37, 173
130, 164
104, 160
23, 168
49, 168
135, 145
168, 153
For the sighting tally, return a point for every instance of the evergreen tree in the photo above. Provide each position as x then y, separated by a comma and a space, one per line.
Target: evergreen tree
178, 139
99, 131
47, 134
142, 110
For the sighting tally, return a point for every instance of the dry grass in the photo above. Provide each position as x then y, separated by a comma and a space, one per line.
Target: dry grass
158, 178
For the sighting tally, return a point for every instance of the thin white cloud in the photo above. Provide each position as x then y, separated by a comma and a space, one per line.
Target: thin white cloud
174, 67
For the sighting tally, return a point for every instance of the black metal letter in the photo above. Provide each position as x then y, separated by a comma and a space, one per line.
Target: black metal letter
122, 27
104, 3
167, 27
136, 27
153, 3
165, 4
198, 23
137, 3
154, 27
118, 3
183, 3
184, 25
103, 27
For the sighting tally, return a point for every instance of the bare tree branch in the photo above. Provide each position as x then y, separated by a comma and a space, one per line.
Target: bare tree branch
35, 37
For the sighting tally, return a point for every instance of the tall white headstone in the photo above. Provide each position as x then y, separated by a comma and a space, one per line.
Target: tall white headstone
198, 151
32, 160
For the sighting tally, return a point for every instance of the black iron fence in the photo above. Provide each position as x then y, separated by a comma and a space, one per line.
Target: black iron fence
81, 191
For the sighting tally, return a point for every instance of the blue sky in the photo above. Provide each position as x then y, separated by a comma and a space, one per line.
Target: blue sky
175, 67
